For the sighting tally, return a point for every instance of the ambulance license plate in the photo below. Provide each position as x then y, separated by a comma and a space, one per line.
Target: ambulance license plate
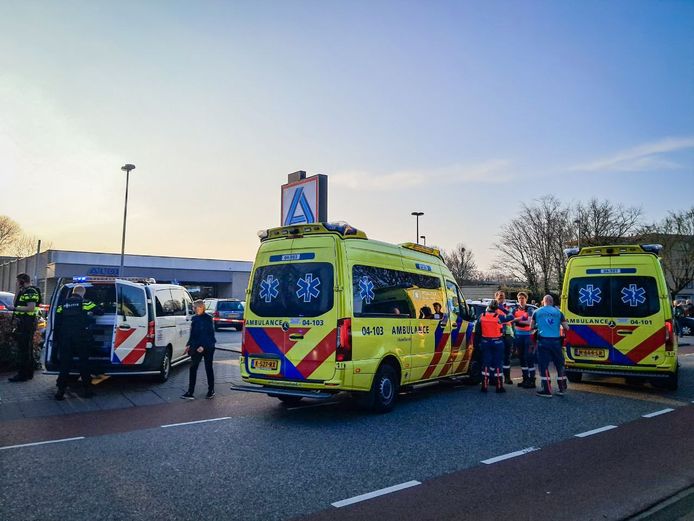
264, 364
588, 352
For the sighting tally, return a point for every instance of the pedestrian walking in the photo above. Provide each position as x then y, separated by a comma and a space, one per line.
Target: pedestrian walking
522, 340
488, 338
201, 345
548, 321
507, 338
73, 331
26, 303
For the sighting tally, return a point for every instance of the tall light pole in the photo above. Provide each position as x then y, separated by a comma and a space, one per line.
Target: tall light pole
417, 215
424, 239
125, 168
577, 222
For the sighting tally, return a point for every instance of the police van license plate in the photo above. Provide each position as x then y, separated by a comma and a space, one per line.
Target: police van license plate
589, 353
267, 365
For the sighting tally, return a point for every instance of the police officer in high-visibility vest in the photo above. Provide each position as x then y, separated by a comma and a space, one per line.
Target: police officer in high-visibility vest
489, 338
73, 331
522, 340
549, 322
26, 303
507, 337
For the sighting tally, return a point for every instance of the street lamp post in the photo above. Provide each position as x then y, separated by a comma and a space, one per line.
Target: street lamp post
577, 222
424, 239
125, 168
417, 215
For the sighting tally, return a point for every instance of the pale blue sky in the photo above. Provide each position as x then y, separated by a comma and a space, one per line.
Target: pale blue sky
461, 110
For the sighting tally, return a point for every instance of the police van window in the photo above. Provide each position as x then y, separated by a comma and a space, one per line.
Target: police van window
188, 303
380, 292
302, 289
178, 297
164, 304
613, 296
103, 295
131, 301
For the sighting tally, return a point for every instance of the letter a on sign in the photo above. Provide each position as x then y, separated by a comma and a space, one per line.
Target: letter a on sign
300, 202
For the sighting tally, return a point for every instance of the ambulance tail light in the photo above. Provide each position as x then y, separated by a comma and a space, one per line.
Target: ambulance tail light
669, 337
344, 340
243, 338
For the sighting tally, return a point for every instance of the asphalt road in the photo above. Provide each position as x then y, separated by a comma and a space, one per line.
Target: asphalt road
259, 460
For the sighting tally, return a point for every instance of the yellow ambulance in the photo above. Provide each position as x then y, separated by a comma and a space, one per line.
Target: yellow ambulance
329, 310
616, 301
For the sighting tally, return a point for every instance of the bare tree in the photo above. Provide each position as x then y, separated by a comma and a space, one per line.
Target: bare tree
530, 245
9, 232
603, 222
676, 234
25, 246
461, 262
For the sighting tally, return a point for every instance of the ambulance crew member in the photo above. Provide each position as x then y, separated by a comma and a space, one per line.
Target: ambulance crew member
72, 329
500, 297
488, 337
26, 302
549, 320
522, 340
201, 344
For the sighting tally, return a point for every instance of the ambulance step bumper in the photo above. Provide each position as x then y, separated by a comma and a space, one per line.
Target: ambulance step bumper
272, 391
617, 372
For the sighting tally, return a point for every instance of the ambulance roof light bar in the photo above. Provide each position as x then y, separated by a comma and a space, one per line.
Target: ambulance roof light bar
89, 279
652, 248
422, 249
341, 228
614, 249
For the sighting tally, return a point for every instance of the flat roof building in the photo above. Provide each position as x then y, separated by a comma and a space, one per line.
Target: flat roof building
203, 277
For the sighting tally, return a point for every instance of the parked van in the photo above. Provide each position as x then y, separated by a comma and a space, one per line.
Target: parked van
616, 301
330, 310
143, 330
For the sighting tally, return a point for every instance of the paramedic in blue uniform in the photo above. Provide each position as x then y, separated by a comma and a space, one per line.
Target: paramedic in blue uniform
548, 321
200, 345
522, 340
489, 338
507, 338
73, 331
26, 303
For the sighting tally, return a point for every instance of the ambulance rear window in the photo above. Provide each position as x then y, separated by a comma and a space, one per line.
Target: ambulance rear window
293, 290
619, 297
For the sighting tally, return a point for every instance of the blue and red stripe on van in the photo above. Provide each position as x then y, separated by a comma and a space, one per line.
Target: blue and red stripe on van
600, 336
278, 343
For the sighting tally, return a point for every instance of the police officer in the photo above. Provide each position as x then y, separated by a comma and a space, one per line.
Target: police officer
507, 338
73, 331
522, 340
26, 302
549, 320
488, 337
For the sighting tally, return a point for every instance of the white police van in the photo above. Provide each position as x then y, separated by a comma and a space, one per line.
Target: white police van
143, 329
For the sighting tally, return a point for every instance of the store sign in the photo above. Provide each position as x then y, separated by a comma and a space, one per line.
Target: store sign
305, 201
103, 271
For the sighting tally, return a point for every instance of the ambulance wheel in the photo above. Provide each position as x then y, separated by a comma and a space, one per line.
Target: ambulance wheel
575, 378
165, 369
384, 389
289, 400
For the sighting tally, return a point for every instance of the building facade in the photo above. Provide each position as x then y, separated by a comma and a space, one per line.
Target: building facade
203, 277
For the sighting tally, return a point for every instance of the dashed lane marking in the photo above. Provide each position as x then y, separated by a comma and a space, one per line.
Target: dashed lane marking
40, 443
509, 455
194, 422
375, 493
595, 431
657, 413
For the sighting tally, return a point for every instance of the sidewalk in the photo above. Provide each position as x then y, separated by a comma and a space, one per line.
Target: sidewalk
35, 398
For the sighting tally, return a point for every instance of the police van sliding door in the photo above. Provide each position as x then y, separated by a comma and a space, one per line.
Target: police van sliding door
130, 331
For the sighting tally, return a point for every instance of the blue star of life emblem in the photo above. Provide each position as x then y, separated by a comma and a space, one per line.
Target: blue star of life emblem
633, 295
308, 288
366, 290
589, 295
268, 288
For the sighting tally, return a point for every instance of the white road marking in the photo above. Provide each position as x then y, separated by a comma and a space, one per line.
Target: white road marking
198, 421
375, 493
509, 455
40, 443
595, 431
657, 413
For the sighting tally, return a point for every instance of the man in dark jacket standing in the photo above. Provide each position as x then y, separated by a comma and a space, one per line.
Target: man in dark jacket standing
200, 345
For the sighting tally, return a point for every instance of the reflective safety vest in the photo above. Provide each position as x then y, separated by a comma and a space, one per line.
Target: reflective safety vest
491, 327
524, 316
25, 296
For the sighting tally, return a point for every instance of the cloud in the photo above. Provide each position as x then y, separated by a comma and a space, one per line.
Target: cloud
643, 158
492, 171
